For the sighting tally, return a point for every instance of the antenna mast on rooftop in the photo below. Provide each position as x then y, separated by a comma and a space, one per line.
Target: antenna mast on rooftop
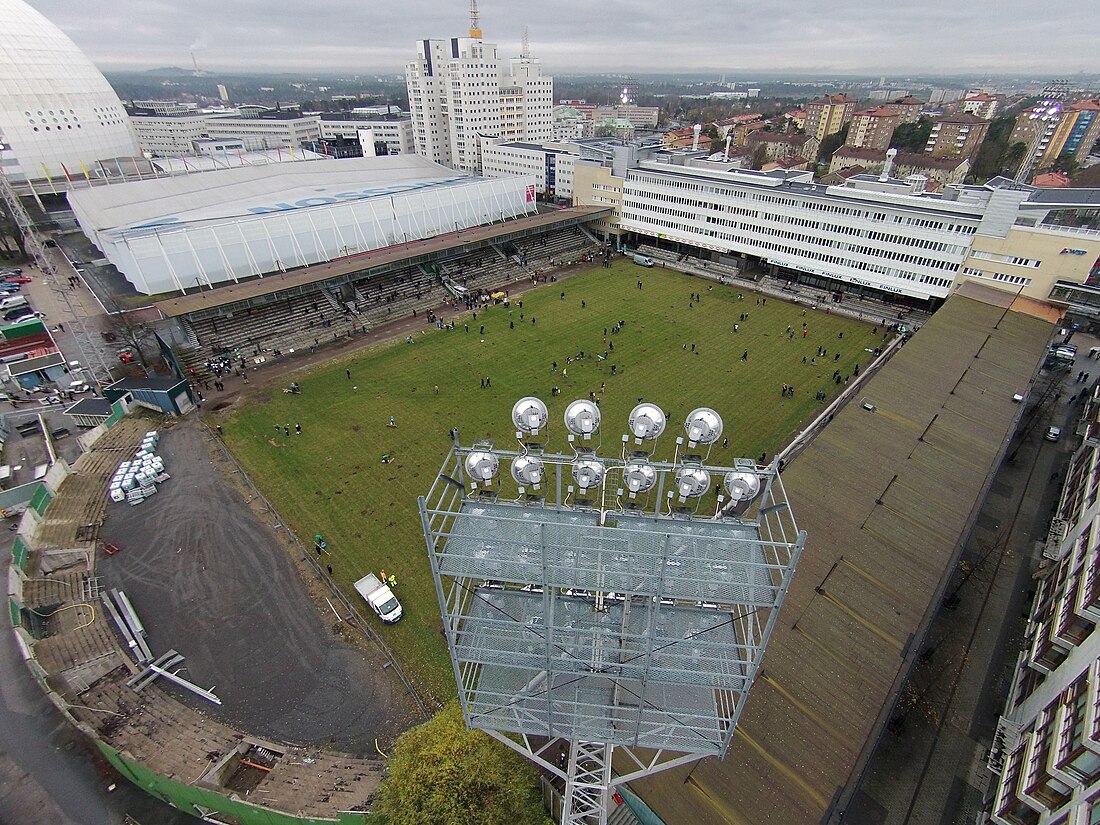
525, 50
475, 21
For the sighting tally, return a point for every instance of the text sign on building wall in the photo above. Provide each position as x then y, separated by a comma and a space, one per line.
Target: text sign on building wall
1068, 251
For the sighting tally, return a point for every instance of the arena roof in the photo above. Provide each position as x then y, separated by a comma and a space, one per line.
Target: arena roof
253, 190
222, 296
883, 537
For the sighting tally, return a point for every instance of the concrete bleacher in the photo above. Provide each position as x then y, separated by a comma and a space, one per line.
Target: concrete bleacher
562, 249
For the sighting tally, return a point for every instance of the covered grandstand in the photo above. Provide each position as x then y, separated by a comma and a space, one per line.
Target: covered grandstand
341, 297
171, 234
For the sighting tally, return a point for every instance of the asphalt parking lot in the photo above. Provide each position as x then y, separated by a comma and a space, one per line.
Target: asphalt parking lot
211, 577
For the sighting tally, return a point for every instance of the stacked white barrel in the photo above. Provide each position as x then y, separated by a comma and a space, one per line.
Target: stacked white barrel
136, 479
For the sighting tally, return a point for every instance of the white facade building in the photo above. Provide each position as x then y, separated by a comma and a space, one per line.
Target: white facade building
551, 167
458, 95
269, 131
168, 136
58, 114
207, 229
396, 133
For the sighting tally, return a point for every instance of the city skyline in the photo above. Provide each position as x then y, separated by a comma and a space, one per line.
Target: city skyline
790, 35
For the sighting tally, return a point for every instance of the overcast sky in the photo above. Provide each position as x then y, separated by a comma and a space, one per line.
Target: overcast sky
820, 36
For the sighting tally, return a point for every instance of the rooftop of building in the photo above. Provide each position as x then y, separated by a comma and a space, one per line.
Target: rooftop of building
832, 100
908, 100
922, 160
793, 138
250, 190
375, 117
981, 97
860, 152
874, 566
878, 111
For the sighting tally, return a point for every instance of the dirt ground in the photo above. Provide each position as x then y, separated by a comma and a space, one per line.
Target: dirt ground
211, 577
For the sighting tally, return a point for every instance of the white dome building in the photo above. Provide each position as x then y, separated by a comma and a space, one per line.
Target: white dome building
58, 113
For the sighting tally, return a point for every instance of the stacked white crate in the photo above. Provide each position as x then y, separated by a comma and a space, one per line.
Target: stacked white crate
135, 480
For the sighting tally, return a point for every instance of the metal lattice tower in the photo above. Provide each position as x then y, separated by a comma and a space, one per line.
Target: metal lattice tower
37, 250
599, 606
475, 21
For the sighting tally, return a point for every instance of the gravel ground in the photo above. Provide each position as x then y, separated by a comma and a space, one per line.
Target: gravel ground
212, 578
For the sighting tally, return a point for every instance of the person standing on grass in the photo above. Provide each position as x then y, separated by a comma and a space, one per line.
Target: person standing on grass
348, 373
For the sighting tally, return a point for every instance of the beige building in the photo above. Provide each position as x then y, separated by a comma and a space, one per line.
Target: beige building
961, 134
939, 171
908, 109
594, 185
783, 144
1032, 259
980, 105
640, 117
873, 128
828, 115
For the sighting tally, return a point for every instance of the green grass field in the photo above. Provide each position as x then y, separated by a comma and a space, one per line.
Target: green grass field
330, 480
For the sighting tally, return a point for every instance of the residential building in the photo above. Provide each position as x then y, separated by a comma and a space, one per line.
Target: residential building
873, 128
961, 134
796, 117
980, 105
269, 130
1046, 753
908, 109
783, 144
640, 117
1076, 133
828, 115
940, 96
871, 160
167, 135
458, 95
1049, 180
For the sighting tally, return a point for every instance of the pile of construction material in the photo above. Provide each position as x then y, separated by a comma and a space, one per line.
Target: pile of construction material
137, 479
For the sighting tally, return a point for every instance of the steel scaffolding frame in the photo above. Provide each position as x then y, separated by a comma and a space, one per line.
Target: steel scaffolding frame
587, 623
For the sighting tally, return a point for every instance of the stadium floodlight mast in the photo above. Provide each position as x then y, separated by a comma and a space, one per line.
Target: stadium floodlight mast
609, 606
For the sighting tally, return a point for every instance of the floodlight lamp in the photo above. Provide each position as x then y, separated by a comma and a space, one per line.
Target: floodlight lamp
647, 422
742, 486
703, 425
482, 465
582, 418
587, 473
529, 415
692, 482
639, 477
528, 471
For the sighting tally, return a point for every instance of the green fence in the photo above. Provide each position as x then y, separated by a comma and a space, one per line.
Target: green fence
188, 798
19, 553
13, 607
118, 412
40, 500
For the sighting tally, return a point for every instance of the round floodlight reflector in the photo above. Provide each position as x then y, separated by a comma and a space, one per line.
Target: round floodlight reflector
528, 470
582, 417
692, 482
639, 477
482, 465
703, 426
647, 421
587, 473
529, 415
742, 486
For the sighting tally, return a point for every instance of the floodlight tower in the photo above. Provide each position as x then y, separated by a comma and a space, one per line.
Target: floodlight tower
606, 604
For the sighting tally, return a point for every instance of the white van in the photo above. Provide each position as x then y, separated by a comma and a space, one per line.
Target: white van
643, 260
12, 302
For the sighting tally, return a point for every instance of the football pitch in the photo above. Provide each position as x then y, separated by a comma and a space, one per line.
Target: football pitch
672, 350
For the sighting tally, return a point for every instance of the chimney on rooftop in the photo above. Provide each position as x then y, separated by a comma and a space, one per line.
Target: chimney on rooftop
888, 167
697, 129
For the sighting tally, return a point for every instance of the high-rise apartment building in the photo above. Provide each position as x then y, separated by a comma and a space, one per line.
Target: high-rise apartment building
458, 95
828, 115
1076, 132
873, 128
961, 134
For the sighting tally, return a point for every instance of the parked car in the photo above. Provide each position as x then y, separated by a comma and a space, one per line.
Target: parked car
10, 270
17, 279
1053, 434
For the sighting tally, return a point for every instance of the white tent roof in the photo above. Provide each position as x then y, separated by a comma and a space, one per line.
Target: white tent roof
253, 190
